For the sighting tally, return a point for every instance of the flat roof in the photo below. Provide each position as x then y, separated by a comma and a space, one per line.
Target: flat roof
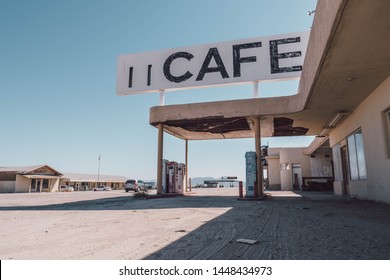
79, 177
41, 176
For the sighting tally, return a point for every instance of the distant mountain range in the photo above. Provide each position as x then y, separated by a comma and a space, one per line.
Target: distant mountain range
195, 181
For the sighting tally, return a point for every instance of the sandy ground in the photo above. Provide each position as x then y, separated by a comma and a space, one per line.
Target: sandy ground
203, 225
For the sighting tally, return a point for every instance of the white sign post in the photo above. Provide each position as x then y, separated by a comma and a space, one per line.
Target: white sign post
233, 62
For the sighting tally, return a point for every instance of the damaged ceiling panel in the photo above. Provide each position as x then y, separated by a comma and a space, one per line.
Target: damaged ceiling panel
217, 125
220, 127
284, 127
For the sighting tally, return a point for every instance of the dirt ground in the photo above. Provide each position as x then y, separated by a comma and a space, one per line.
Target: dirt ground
204, 225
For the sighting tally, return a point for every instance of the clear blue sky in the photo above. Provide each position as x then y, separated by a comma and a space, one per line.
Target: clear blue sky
58, 71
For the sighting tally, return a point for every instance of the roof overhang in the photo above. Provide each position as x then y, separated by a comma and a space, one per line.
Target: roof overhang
35, 168
316, 144
92, 181
40, 176
346, 59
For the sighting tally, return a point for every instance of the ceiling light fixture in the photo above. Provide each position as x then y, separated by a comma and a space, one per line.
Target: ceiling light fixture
332, 123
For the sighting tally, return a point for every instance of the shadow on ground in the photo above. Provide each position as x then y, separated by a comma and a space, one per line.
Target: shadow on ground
312, 227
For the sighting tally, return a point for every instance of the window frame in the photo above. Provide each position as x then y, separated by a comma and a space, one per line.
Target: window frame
356, 156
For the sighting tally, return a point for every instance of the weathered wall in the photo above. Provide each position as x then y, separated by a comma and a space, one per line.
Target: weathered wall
369, 117
321, 163
7, 186
54, 185
274, 172
22, 184
290, 156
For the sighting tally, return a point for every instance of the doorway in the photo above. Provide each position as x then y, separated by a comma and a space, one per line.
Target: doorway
345, 169
297, 176
36, 185
45, 185
39, 185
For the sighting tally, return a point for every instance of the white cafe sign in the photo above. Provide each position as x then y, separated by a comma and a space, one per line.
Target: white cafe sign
232, 62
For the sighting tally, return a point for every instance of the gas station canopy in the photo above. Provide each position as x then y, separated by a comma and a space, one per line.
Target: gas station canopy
341, 68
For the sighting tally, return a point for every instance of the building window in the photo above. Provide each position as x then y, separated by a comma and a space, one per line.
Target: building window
45, 185
33, 184
357, 162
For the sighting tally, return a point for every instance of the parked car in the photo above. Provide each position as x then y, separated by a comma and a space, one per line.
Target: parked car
135, 185
151, 185
102, 188
65, 188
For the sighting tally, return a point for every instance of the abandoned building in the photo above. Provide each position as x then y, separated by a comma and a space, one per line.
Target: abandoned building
43, 178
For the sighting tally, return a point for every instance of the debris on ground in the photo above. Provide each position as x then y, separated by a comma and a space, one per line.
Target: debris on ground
247, 241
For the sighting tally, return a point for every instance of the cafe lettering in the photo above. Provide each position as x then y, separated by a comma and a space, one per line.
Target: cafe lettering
234, 62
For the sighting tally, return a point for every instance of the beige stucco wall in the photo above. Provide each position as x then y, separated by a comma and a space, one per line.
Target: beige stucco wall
274, 173
292, 156
369, 117
338, 188
321, 165
54, 184
22, 184
7, 186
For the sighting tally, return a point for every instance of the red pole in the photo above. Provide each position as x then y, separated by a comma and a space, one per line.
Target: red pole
240, 191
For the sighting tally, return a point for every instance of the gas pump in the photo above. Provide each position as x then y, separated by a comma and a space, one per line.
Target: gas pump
172, 173
164, 176
251, 173
181, 174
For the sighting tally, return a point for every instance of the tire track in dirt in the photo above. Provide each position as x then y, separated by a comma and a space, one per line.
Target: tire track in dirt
222, 231
214, 239
299, 234
253, 226
267, 238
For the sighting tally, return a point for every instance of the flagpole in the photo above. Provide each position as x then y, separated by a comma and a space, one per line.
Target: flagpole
99, 172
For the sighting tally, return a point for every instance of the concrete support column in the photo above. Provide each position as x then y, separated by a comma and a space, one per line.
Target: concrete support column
186, 163
258, 157
160, 157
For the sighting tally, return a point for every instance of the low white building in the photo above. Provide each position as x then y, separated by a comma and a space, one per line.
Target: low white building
299, 168
82, 182
37, 178
43, 178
